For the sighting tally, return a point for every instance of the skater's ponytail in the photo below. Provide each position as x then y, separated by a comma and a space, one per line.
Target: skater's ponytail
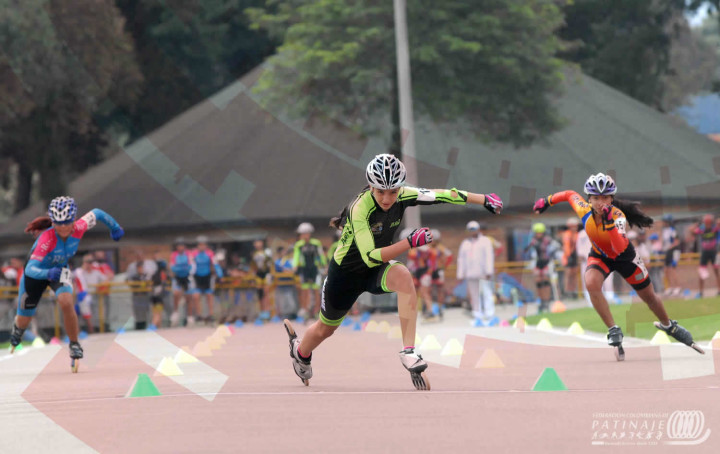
37, 225
338, 222
633, 214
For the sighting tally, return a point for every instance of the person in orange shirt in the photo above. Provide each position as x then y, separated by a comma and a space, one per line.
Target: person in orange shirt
605, 219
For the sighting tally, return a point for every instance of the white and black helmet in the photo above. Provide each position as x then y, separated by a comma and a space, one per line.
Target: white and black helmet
385, 171
305, 227
62, 209
600, 184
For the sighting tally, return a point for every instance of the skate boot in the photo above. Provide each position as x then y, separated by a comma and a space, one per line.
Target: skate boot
615, 338
416, 365
680, 334
76, 353
16, 337
301, 365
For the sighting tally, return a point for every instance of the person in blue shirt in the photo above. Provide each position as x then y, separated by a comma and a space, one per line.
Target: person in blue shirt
58, 238
203, 272
180, 266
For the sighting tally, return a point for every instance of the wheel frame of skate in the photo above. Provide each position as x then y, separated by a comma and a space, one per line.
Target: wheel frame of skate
292, 335
74, 365
420, 381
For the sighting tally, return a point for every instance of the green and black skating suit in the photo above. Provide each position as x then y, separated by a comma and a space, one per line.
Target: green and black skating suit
308, 259
357, 266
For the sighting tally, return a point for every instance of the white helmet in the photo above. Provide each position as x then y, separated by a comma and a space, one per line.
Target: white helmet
473, 226
305, 227
600, 184
201, 239
435, 234
385, 171
62, 209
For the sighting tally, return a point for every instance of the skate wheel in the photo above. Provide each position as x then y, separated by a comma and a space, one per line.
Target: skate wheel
619, 353
74, 365
698, 348
305, 381
420, 381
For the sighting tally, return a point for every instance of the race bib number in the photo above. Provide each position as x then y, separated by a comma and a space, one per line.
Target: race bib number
426, 195
621, 225
66, 278
638, 261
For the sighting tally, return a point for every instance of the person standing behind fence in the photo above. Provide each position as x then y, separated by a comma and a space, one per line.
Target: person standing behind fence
542, 249
476, 266
570, 256
157, 298
261, 264
671, 248
88, 278
308, 262
180, 265
440, 259
708, 232
141, 271
202, 272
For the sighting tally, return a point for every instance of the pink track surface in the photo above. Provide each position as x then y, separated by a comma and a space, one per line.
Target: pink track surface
361, 400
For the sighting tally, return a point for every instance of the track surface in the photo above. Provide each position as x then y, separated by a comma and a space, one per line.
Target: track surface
361, 400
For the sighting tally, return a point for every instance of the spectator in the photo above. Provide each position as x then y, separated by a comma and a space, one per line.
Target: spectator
141, 270
87, 278
570, 256
180, 266
671, 249
159, 294
284, 280
440, 258
309, 262
203, 273
261, 264
707, 231
418, 263
542, 250
102, 264
476, 266
656, 272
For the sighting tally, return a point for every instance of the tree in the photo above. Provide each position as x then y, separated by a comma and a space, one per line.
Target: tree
187, 51
69, 63
693, 66
639, 47
489, 65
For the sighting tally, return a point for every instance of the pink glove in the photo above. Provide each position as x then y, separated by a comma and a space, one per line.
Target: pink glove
541, 205
420, 237
493, 203
607, 215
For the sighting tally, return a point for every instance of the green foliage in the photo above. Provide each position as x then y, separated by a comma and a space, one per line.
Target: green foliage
488, 65
187, 51
627, 44
61, 65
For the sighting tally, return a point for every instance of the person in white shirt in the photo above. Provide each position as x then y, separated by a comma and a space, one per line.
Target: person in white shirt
87, 278
476, 266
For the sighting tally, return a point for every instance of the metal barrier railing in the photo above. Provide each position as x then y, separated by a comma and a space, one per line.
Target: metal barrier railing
244, 283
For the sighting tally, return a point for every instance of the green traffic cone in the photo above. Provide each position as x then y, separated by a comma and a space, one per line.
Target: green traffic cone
143, 387
549, 381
